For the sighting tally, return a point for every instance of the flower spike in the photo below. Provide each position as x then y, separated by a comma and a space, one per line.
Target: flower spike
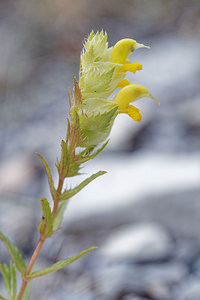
102, 71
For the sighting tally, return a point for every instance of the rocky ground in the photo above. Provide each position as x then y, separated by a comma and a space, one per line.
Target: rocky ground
144, 215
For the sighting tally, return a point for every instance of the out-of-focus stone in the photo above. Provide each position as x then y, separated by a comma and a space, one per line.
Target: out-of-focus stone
188, 290
16, 173
139, 243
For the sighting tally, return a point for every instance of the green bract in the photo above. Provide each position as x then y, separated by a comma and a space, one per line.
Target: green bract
97, 74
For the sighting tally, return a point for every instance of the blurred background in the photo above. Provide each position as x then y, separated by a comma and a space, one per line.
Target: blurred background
145, 213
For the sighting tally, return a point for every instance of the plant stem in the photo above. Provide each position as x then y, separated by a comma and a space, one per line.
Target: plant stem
40, 243
30, 265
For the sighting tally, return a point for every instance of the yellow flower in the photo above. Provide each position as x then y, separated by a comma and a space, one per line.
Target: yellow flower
122, 50
131, 93
120, 54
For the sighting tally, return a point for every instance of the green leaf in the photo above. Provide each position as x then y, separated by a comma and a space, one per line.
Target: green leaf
63, 164
14, 281
69, 193
59, 215
86, 158
2, 298
15, 254
51, 183
77, 93
59, 265
46, 225
6, 276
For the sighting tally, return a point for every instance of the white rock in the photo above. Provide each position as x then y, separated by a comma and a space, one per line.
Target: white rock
143, 242
131, 178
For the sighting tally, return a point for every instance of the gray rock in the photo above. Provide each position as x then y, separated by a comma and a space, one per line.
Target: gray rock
133, 298
188, 290
154, 280
18, 223
139, 243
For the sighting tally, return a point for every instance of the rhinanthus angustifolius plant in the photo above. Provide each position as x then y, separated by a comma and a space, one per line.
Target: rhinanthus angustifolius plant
92, 111
102, 71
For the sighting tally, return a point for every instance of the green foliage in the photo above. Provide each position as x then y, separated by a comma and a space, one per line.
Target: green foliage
96, 124
86, 154
9, 275
15, 254
63, 164
46, 225
59, 215
98, 76
77, 93
51, 183
59, 265
70, 193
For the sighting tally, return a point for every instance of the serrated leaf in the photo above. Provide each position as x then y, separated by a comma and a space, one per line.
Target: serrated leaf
46, 225
93, 155
96, 126
69, 193
63, 164
59, 215
59, 265
50, 179
15, 254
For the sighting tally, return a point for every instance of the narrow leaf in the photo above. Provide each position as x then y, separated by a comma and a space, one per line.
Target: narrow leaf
69, 96
59, 265
69, 193
95, 153
2, 298
63, 164
46, 224
14, 281
6, 276
50, 179
15, 254
77, 93
59, 215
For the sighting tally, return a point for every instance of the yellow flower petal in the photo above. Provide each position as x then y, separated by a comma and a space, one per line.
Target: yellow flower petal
123, 83
133, 112
132, 67
131, 93
122, 50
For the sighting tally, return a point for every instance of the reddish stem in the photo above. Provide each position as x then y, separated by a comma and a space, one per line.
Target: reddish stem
40, 243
